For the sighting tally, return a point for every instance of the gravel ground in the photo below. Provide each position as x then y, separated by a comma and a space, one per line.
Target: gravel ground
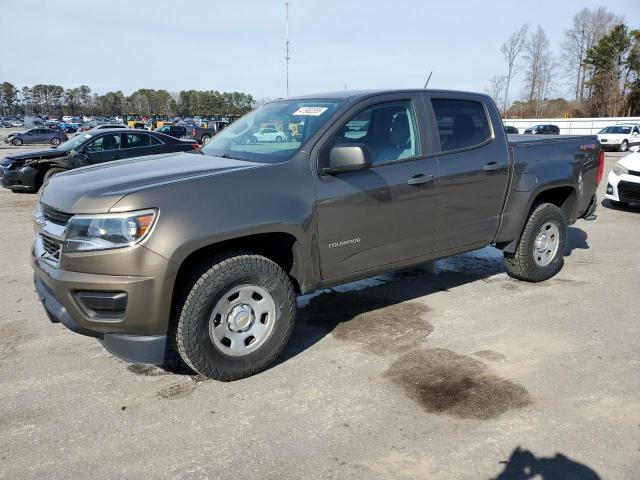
448, 371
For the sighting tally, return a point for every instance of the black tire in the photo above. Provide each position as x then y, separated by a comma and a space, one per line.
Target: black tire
206, 288
624, 146
522, 263
17, 142
278, 139
50, 173
205, 139
55, 141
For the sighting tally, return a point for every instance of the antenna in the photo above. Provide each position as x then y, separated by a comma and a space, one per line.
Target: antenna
430, 73
286, 54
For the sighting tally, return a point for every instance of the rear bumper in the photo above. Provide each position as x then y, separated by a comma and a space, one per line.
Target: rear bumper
145, 349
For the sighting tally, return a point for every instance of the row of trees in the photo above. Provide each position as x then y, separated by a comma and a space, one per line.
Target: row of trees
55, 100
598, 67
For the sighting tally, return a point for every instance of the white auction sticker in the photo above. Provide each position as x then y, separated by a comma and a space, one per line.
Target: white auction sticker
310, 111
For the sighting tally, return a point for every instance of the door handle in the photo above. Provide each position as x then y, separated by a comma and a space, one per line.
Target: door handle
420, 179
493, 166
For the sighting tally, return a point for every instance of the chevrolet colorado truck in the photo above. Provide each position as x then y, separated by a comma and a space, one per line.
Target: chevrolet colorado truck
204, 254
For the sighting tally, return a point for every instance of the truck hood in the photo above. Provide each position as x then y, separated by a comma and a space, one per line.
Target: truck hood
97, 188
33, 155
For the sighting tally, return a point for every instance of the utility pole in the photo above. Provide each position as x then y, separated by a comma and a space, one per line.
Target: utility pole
286, 55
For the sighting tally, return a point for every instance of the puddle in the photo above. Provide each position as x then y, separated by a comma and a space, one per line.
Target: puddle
443, 382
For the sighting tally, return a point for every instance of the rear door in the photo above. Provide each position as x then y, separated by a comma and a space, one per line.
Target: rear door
473, 169
137, 145
384, 214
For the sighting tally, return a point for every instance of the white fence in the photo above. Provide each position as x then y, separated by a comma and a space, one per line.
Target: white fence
570, 126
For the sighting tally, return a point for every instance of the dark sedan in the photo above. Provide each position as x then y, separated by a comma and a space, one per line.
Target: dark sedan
27, 171
510, 130
543, 130
36, 135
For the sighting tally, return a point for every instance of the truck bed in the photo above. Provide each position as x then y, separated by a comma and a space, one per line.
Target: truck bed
520, 139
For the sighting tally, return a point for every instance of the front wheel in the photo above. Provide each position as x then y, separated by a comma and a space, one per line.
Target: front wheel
540, 252
17, 142
55, 141
278, 139
205, 139
237, 317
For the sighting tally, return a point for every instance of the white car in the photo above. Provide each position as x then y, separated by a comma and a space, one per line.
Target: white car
623, 182
269, 135
619, 137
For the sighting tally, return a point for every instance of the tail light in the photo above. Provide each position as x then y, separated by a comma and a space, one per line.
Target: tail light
195, 146
600, 167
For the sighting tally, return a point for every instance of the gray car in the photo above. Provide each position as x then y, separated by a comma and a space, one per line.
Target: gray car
36, 135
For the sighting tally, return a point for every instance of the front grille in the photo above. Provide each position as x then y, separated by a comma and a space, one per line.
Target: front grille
52, 247
55, 216
629, 192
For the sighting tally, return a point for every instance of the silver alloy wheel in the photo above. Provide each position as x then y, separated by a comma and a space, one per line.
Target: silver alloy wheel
624, 146
546, 245
242, 320
55, 141
205, 140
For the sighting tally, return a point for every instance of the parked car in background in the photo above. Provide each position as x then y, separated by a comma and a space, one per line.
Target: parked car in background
619, 137
623, 182
269, 135
105, 126
17, 123
543, 130
36, 135
27, 171
5, 124
176, 131
510, 130
68, 127
204, 134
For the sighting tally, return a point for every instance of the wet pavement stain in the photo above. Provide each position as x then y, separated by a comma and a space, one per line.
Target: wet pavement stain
177, 390
443, 382
491, 355
146, 370
373, 318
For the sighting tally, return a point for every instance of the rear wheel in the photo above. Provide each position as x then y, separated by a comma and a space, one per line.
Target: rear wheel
55, 141
237, 317
540, 252
624, 146
278, 139
17, 142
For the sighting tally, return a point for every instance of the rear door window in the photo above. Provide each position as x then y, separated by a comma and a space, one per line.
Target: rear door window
105, 143
136, 140
461, 123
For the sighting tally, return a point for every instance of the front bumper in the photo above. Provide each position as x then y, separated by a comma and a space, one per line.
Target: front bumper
24, 178
134, 330
613, 181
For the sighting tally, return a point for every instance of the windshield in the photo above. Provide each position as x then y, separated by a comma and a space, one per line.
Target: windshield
616, 129
274, 132
74, 142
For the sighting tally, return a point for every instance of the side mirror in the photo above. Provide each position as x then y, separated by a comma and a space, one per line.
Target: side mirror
349, 157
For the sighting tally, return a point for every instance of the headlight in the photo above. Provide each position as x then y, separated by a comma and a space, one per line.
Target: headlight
107, 231
619, 169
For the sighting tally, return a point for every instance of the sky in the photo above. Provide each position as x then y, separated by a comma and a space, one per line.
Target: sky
239, 45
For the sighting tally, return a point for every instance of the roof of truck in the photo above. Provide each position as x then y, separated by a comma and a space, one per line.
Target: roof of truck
360, 94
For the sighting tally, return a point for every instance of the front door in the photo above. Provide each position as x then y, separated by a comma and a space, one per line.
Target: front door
384, 214
103, 149
474, 169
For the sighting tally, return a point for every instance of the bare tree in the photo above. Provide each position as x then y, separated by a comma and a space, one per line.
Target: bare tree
511, 50
496, 88
537, 57
589, 26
